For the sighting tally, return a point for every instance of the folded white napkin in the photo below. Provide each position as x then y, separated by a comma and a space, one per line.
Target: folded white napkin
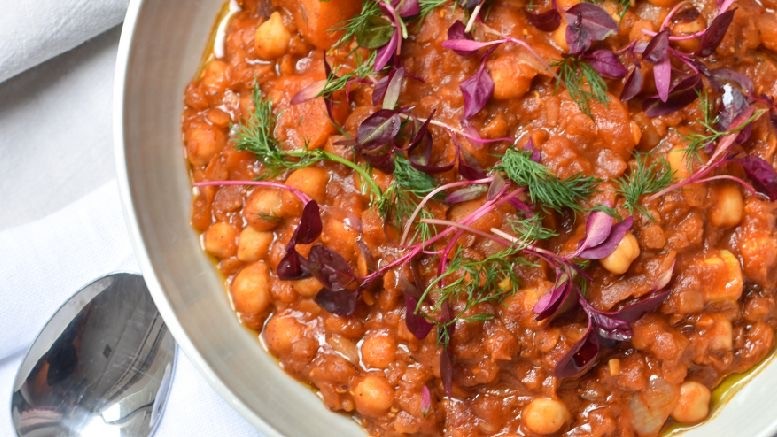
61, 224
32, 31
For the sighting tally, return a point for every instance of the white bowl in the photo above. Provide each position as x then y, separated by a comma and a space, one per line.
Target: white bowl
160, 50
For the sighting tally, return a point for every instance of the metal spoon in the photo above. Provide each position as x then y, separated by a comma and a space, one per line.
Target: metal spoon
102, 365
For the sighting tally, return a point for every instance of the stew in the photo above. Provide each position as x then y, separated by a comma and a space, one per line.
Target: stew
495, 217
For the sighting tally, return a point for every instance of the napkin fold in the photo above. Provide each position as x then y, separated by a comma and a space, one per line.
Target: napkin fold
32, 31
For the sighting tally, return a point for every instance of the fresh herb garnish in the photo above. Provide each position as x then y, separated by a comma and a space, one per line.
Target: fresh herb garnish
403, 195
582, 81
647, 177
544, 187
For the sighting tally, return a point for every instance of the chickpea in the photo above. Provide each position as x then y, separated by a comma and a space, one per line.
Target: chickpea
721, 335
627, 251
729, 206
545, 415
203, 142
311, 181
373, 395
560, 36
724, 277
214, 76
512, 79
693, 404
220, 240
281, 332
379, 350
636, 132
263, 209
678, 163
253, 245
251, 289
307, 287
272, 38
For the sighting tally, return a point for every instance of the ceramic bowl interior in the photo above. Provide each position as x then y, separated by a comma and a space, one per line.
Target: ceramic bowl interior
160, 50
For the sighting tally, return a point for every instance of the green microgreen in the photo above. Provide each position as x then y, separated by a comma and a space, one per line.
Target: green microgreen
544, 187
582, 81
647, 177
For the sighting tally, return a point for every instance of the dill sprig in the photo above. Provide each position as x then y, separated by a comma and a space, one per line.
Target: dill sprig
357, 27
402, 196
529, 230
427, 6
647, 177
582, 82
473, 282
698, 141
336, 83
256, 136
544, 187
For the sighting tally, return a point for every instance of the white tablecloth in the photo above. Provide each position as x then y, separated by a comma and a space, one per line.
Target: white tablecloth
60, 219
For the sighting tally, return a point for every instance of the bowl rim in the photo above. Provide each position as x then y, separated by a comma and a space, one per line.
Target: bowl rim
161, 301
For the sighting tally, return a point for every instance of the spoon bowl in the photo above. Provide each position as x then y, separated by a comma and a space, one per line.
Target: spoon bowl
102, 365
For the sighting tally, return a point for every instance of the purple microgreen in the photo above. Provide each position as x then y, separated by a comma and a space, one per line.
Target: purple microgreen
421, 148
497, 187
468, 167
606, 63
477, 90
657, 52
291, 266
310, 225
720, 76
380, 128
446, 369
606, 325
602, 236
558, 300
633, 84
407, 8
426, 400
734, 103
762, 174
681, 94
340, 302
715, 32
331, 269
466, 194
416, 323
587, 23
386, 53
529, 146
394, 88
309, 92
582, 356
547, 21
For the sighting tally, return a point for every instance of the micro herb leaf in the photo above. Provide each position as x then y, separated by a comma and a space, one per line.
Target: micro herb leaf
410, 179
367, 27
582, 81
427, 6
544, 187
336, 83
530, 230
402, 196
647, 177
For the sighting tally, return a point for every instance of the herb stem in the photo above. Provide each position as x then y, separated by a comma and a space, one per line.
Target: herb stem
431, 195
363, 173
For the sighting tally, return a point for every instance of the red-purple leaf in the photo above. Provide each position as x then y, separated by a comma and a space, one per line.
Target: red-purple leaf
587, 23
331, 269
582, 356
291, 266
386, 53
466, 194
420, 149
633, 85
446, 369
394, 88
308, 92
407, 8
310, 225
605, 324
380, 128
426, 400
536, 156
477, 90
340, 302
547, 21
602, 237
468, 166
715, 32
657, 49
662, 76
762, 174
682, 94
606, 63
497, 187
558, 300
416, 323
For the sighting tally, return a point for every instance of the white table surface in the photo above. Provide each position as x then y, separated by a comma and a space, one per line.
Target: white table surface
55, 148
